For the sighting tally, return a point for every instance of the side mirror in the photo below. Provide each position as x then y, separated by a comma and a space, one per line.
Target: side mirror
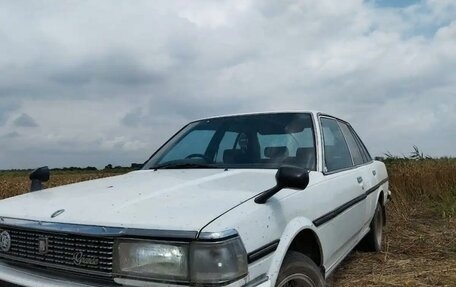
286, 177
38, 176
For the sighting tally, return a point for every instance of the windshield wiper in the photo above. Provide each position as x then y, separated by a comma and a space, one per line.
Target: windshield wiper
181, 165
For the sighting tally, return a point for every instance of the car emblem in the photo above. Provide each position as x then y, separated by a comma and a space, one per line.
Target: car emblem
57, 213
5, 241
43, 245
80, 259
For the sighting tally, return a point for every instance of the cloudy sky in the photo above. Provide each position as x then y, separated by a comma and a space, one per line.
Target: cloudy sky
97, 82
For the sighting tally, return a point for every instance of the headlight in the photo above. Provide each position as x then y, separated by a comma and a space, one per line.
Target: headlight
218, 262
196, 262
149, 259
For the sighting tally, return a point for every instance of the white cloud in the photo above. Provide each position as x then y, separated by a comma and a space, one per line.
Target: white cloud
108, 82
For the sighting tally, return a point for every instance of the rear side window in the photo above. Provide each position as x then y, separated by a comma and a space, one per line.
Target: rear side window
366, 156
337, 154
352, 144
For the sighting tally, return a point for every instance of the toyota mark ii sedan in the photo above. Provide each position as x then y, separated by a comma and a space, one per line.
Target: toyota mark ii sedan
266, 199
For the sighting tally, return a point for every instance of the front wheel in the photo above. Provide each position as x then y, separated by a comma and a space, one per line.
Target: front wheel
299, 270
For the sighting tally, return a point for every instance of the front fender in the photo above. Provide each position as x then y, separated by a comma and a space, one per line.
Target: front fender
293, 228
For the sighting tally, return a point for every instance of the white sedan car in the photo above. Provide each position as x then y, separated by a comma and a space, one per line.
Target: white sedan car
269, 199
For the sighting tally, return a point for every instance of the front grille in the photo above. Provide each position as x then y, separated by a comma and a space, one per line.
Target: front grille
70, 252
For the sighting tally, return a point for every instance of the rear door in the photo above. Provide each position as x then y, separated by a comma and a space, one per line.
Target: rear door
361, 162
371, 176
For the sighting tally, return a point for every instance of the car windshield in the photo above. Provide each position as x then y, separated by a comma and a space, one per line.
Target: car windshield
245, 141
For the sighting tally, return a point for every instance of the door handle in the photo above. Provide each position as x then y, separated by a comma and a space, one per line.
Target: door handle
374, 173
360, 179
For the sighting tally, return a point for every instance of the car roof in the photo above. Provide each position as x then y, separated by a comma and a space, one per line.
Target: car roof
261, 113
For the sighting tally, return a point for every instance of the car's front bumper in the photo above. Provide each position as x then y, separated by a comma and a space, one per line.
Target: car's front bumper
12, 275
33, 278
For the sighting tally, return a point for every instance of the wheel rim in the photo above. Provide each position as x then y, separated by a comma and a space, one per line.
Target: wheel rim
379, 226
297, 280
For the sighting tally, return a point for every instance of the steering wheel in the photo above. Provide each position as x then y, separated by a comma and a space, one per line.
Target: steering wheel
199, 155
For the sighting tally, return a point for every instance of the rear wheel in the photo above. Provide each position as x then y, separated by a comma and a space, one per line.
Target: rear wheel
299, 270
372, 242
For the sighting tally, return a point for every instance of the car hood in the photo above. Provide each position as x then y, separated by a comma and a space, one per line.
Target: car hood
186, 199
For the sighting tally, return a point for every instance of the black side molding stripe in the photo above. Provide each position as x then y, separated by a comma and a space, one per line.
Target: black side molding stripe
376, 186
262, 251
334, 213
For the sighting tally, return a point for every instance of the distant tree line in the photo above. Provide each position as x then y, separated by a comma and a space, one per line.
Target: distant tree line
133, 166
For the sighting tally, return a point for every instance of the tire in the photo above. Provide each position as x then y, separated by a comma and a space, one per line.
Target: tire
372, 242
299, 270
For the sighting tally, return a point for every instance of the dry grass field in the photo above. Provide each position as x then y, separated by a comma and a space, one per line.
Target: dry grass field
420, 237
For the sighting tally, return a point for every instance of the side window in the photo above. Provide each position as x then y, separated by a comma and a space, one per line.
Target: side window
362, 147
352, 144
337, 154
195, 142
228, 142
